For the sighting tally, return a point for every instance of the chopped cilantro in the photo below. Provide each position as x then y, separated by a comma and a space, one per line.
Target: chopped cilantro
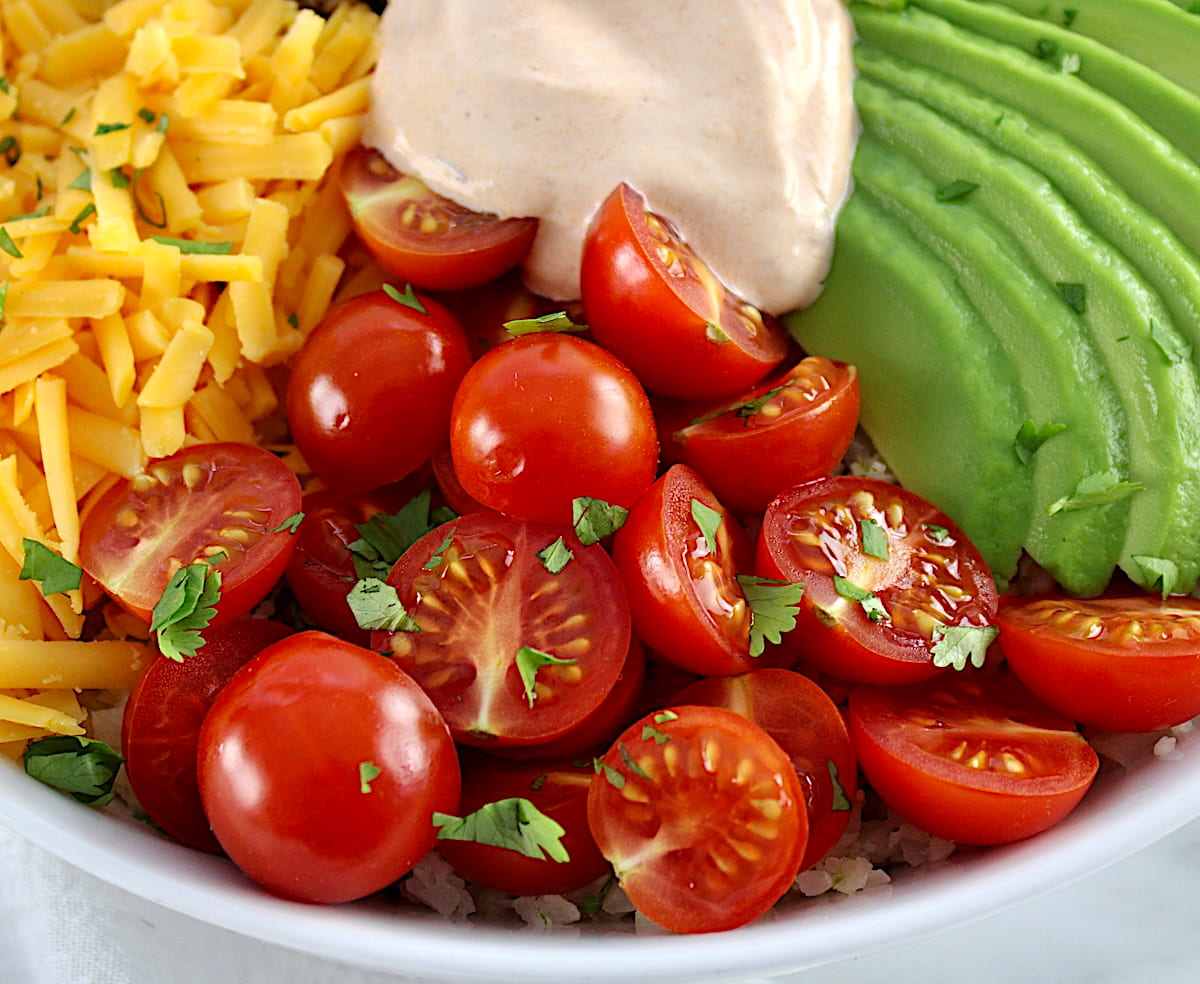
773, 609
744, 409
408, 298
77, 223
70, 115
614, 776
293, 319
83, 182
1097, 489
871, 605
368, 772
538, 782
118, 178
651, 733
630, 762
555, 556
955, 191
192, 246
938, 534
7, 244
1046, 49
1158, 571
663, 717
437, 558
874, 539
1169, 343
103, 128
1031, 437
141, 211
3, 299
1068, 16
841, 802
55, 572
186, 607
290, 525
377, 606
709, 521
529, 661
594, 519
146, 114
1075, 296
957, 645
591, 905
10, 147
40, 213
82, 767
164, 121
384, 537
557, 321
514, 824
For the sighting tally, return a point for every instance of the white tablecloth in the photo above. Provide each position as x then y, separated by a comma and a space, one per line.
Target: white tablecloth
1134, 923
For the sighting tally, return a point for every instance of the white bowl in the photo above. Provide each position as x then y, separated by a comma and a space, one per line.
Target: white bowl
1129, 808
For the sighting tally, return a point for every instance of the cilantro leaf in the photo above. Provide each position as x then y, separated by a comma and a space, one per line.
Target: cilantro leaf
529, 661
55, 572
377, 606
709, 521
744, 409
594, 519
82, 767
773, 608
555, 556
437, 558
1097, 489
1045, 49
1074, 295
841, 802
386, 536
76, 225
408, 298
103, 128
1031, 437
290, 525
955, 191
662, 717
186, 607
614, 776
1158, 571
514, 824
630, 762
7, 244
871, 605
651, 733
193, 246
558, 321
83, 182
957, 645
938, 534
368, 772
874, 539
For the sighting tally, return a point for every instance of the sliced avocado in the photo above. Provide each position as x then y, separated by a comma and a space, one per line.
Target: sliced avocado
1169, 266
940, 398
1171, 109
1153, 171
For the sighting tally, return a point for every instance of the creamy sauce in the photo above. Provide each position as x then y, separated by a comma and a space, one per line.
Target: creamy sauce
734, 119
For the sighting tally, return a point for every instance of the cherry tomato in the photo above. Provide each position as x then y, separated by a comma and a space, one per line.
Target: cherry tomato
546, 418
1119, 664
481, 595
160, 730
975, 759
418, 236
200, 503
653, 302
808, 726
790, 428
559, 789
884, 572
484, 311
702, 816
370, 392
321, 765
686, 602
448, 484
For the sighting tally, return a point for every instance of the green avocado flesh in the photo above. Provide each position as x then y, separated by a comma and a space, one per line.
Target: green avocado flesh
1022, 253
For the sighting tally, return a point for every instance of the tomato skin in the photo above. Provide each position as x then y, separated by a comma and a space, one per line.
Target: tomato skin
685, 602
808, 726
479, 592
1119, 664
559, 789
371, 363
448, 484
465, 248
548, 417
812, 533
747, 457
915, 743
160, 730
627, 290
280, 772
197, 503
707, 828
483, 311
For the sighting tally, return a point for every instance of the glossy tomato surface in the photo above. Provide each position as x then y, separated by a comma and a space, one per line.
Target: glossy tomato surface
559, 789
321, 765
792, 427
546, 418
653, 302
686, 602
479, 592
884, 571
208, 501
485, 310
160, 730
420, 237
1119, 664
369, 397
702, 817
974, 759
808, 726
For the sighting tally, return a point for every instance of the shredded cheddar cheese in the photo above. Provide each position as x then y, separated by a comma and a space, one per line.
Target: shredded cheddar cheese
169, 231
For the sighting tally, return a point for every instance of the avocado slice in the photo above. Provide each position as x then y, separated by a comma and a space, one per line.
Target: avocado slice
940, 398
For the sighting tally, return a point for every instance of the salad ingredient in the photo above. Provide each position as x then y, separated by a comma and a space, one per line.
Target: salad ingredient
84, 768
637, 271
419, 236
977, 760
808, 726
791, 427
510, 652
1115, 663
375, 360
321, 765
702, 816
547, 418
873, 616
210, 503
600, 89
559, 790
160, 730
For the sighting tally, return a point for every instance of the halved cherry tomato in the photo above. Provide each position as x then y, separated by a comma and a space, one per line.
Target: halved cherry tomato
653, 302
480, 592
683, 594
808, 726
370, 392
973, 758
559, 789
546, 418
418, 236
792, 427
160, 730
872, 618
198, 504
702, 816
1120, 664
321, 765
